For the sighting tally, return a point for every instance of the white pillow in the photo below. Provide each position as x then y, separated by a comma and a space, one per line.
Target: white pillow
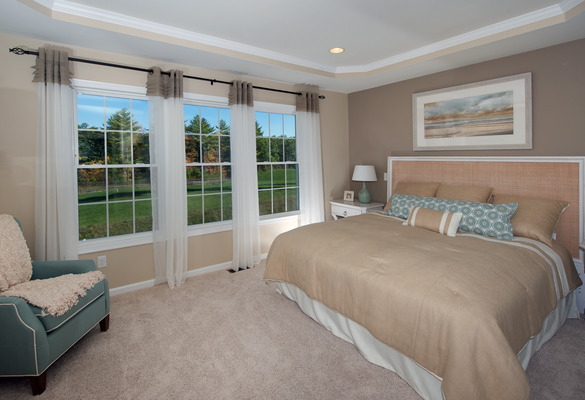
15, 264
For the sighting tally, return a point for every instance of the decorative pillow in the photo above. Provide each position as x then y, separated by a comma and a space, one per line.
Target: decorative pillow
479, 194
427, 189
443, 222
15, 264
535, 218
491, 220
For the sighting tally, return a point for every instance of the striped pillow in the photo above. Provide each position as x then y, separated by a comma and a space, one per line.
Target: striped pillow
443, 222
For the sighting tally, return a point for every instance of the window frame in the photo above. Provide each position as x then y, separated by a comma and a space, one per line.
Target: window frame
278, 108
110, 90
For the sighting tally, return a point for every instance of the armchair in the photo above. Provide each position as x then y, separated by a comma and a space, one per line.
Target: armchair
30, 341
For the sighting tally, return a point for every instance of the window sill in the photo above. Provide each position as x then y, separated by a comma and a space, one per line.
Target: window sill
138, 239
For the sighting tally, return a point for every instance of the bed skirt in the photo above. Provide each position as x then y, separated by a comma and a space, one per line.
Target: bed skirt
424, 382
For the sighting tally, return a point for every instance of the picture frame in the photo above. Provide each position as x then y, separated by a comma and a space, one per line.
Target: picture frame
487, 115
348, 195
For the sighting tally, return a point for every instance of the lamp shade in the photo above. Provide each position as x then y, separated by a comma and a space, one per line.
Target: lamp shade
364, 173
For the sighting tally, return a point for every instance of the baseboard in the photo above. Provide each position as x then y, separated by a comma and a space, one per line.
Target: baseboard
191, 273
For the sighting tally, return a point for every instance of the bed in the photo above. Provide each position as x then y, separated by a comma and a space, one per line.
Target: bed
457, 317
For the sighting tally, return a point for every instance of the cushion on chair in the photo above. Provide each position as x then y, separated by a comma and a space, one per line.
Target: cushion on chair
15, 263
52, 322
55, 295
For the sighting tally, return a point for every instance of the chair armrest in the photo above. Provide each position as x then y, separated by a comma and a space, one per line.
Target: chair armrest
51, 269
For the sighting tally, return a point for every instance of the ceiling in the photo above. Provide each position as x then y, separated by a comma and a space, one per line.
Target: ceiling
385, 41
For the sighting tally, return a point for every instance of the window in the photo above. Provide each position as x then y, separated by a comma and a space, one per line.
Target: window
113, 171
207, 158
276, 156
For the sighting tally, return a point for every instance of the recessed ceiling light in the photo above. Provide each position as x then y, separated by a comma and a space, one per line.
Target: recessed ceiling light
336, 50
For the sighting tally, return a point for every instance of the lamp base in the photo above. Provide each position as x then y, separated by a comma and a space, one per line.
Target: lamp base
364, 195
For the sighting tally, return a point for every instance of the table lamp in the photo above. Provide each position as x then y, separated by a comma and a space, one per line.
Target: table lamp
364, 173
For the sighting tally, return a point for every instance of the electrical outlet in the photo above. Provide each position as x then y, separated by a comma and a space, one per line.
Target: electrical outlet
101, 261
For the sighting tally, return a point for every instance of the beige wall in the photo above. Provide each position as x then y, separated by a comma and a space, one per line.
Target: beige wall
135, 264
380, 119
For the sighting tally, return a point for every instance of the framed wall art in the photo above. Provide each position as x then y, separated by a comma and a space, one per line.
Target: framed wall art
494, 114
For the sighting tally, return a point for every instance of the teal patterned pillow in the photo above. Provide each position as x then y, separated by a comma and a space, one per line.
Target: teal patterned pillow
491, 220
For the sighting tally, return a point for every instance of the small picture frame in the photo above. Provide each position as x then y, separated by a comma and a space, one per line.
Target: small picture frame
348, 195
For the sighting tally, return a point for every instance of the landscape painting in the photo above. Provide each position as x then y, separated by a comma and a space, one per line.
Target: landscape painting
487, 115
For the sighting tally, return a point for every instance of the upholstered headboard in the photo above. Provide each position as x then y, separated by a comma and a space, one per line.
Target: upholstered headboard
559, 178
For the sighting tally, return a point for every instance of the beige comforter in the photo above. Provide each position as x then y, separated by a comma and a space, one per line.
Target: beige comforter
461, 307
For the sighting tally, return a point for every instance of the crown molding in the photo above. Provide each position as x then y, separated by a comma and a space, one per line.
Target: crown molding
95, 17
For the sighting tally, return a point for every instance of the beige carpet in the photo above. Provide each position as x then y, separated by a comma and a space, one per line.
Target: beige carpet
231, 336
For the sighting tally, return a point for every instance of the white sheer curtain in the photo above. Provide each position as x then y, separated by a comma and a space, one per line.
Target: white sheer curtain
167, 174
245, 214
55, 197
309, 157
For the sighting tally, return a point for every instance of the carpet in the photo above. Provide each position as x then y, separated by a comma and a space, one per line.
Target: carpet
231, 336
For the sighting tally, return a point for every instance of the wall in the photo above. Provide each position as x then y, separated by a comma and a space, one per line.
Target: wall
380, 119
135, 264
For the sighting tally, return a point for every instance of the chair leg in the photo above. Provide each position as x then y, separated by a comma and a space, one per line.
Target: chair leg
38, 384
105, 323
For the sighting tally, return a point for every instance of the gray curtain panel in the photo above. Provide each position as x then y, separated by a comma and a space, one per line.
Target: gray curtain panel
241, 93
163, 85
308, 102
52, 66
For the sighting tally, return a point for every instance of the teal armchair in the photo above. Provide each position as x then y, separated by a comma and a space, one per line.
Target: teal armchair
30, 342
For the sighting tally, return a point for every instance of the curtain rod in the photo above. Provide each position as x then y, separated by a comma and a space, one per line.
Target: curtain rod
20, 51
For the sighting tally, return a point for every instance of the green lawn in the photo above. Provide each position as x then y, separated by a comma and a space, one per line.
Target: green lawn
200, 208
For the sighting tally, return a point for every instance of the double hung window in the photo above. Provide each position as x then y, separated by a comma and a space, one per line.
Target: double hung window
208, 163
113, 166
276, 156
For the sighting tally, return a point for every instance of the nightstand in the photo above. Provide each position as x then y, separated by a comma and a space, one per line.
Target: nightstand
341, 208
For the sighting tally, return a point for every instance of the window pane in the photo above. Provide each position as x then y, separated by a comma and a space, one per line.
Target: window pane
142, 183
191, 118
211, 116
140, 114
264, 177
211, 180
276, 126
290, 149
290, 130
292, 199
91, 185
265, 202
141, 148
225, 149
224, 121
194, 213
210, 144
120, 184
278, 178
194, 180
262, 124
226, 179
119, 147
278, 201
91, 147
90, 111
92, 221
276, 150
212, 208
143, 210
192, 150
118, 116
120, 216
262, 154
292, 175
227, 207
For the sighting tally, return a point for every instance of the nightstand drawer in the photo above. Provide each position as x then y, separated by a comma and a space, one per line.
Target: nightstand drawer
344, 211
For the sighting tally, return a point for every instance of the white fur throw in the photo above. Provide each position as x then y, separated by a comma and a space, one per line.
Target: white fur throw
55, 295
15, 264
